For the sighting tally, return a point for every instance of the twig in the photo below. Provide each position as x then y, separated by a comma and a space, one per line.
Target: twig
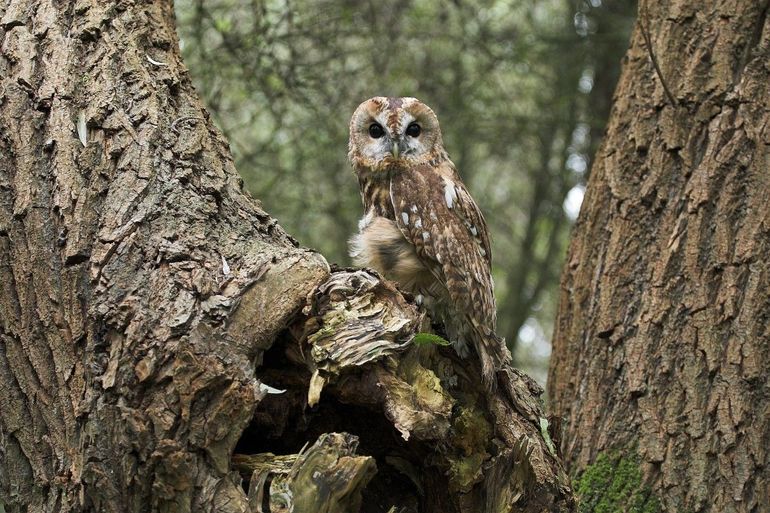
648, 44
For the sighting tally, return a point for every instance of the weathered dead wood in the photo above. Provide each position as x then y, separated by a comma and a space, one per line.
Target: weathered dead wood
476, 452
326, 478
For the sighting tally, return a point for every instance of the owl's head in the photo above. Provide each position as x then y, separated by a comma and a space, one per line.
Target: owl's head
392, 132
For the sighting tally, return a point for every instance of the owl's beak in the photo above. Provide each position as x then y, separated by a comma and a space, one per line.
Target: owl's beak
394, 149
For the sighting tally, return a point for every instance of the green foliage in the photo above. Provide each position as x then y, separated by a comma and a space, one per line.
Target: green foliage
513, 85
613, 483
423, 339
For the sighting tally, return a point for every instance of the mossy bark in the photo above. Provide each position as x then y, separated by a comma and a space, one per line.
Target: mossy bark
661, 341
614, 483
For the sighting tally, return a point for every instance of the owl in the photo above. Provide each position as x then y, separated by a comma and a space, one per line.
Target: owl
421, 227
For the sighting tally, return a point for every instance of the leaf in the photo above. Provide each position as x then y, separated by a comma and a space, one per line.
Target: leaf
422, 339
546, 435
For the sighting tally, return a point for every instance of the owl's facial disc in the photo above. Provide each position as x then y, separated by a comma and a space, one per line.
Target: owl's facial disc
393, 131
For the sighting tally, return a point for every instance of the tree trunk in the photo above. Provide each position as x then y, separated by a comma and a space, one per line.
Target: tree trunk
659, 370
150, 310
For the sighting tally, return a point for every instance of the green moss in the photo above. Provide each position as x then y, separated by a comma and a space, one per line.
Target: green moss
470, 435
421, 339
471, 431
464, 472
614, 483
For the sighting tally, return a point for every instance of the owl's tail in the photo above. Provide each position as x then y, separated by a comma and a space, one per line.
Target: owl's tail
493, 354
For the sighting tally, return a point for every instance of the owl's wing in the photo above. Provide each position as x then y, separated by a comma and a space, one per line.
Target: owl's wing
436, 214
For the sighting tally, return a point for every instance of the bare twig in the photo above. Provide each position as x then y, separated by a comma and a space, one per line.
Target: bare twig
643, 24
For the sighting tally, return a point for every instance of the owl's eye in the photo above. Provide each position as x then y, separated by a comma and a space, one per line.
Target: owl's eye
376, 131
413, 130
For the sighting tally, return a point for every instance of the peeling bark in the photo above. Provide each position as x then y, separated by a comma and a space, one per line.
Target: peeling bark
661, 345
150, 309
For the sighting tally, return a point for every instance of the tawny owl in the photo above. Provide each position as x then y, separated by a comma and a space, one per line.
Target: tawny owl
421, 227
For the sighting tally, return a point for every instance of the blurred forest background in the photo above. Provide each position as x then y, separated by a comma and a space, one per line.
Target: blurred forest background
522, 89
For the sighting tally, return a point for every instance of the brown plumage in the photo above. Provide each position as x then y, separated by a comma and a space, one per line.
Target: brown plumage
421, 227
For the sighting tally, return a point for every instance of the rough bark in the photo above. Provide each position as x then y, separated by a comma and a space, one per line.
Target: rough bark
659, 369
150, 310
127, 246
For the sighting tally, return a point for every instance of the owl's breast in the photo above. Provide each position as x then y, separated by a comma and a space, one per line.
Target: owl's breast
380, 245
